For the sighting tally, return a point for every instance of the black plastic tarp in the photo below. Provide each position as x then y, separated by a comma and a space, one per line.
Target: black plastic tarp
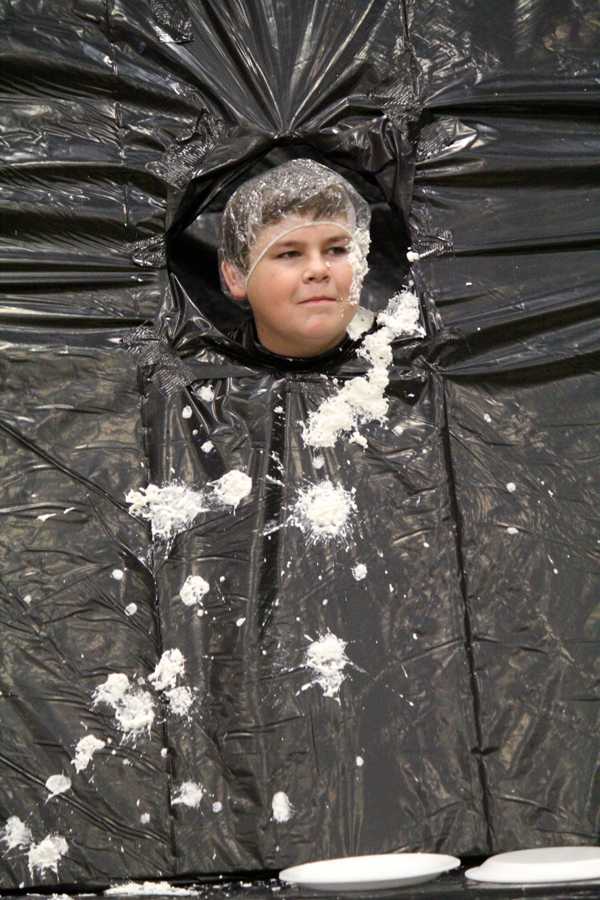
472, 700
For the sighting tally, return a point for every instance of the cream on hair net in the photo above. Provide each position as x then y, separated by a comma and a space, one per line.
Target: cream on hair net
299, 187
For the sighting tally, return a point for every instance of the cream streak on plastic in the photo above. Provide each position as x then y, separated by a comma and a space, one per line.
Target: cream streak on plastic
362, 399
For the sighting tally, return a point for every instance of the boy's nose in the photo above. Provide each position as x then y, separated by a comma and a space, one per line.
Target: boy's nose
316, 269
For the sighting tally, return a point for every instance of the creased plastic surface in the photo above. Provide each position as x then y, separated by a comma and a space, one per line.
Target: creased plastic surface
467, 720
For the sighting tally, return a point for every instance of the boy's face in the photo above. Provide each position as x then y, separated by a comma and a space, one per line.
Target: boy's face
299, 289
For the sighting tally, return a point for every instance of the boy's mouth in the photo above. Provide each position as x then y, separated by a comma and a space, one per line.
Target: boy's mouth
320, 299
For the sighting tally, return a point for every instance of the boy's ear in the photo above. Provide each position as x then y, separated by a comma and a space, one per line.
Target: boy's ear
235, 281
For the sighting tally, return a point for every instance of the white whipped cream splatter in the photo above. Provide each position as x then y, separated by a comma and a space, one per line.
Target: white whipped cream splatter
180, 700
150, 887
16, 833
207, 393
323, 510
57, 784
232, 487
358, 252
359, 572
189, 793
169, 668
194, 590
362, 321
361, 399
84, 751
173, 507
47, 854
327, 659
132, 706
281, 806
170, 509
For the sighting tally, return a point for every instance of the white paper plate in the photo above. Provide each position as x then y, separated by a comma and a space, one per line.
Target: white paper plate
546, 865
379, 871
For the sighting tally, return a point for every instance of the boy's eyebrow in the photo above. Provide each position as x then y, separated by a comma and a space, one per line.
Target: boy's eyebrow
294, 242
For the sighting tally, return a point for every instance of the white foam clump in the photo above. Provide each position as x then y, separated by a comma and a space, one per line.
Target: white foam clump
232, 487
16, 833
173, 507
281, 806
359, 572
357, 257
327, 658
164, 678
170, 509
180, 700
170, 666
362, 320
361, 399
47, 854
150, 887
132, 706
189, 794
207, 393
84, 751
402, 315
193, 590
57, 784
323, 509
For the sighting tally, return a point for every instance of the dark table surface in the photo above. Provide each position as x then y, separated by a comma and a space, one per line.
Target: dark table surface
452, 885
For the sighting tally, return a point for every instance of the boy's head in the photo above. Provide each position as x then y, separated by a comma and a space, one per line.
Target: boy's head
294, 243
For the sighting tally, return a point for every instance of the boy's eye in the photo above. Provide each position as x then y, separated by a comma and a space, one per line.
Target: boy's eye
288, 254
339, 249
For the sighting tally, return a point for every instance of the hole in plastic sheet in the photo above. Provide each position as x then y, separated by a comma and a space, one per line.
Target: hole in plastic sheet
173, 19
193, 256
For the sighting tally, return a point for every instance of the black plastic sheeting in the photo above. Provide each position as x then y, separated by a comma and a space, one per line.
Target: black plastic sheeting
473, 131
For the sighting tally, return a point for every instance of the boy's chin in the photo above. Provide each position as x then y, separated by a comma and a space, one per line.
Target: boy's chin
325, 322
317, 340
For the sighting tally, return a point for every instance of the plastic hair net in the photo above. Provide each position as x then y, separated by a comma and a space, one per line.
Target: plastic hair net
301, 187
